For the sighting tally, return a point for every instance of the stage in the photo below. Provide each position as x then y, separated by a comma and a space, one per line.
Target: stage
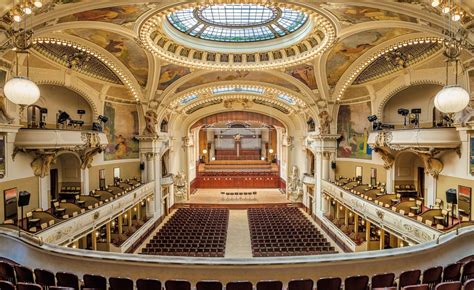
214, 197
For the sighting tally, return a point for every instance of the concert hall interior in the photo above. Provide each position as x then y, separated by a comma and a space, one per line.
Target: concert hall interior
236, 144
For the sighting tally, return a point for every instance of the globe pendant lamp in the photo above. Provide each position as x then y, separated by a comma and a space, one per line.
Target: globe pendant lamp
451, 99
21, 91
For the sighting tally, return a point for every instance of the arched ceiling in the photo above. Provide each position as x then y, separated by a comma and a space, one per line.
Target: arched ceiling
348, 49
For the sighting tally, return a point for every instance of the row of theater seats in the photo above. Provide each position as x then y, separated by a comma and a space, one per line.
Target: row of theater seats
284, 232
199, 232
452, 277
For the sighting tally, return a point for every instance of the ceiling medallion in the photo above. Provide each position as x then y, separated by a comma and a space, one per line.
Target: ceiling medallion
217, 36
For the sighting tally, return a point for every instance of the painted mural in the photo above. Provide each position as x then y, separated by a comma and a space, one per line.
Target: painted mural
120, 134
359, 14
346, 51
238, 75
124, 48
353, 126
304, 73
171, 73
121, 15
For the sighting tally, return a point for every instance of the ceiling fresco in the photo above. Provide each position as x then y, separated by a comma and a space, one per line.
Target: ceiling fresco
305, 74
171, 73
238, 75
349, 49
125, 49
359, 14
122, 15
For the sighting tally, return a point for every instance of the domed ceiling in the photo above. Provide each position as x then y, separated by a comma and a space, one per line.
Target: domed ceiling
315, 52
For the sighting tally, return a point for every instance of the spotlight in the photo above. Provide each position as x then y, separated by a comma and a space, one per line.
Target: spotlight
372, 118
404, 113
103, 119
96, 127
415, 117
63, 117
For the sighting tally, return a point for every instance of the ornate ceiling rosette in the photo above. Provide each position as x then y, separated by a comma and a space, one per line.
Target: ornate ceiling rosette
250, 35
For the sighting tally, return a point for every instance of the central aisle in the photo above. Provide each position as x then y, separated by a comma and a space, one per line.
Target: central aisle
238, 244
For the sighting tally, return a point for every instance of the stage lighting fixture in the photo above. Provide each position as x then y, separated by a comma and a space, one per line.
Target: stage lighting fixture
416, 111
404, 113
96, 127
103, 118
372, 118
63, 117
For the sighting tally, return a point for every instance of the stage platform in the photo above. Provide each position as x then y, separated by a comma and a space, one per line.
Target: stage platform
213, 197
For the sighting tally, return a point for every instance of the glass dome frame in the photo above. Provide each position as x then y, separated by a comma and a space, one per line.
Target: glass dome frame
237, 23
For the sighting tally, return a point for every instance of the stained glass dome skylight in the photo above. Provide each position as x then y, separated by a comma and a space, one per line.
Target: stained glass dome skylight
237, 22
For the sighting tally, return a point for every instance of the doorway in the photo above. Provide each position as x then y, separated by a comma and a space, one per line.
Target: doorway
53, 173
421, 181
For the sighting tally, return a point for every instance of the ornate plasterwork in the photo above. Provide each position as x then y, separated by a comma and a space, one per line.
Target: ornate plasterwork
43, 158
156, 37
388, 151
358, 67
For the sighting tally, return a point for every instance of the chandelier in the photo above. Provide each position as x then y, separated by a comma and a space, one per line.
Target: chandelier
20, 90
452, 98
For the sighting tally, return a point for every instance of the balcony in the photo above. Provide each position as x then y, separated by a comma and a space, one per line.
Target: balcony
309, 179
408, 228
442, 138
31, 139
64, 232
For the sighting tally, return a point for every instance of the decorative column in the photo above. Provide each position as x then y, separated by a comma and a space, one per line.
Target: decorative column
324, 146
150, 151
390, 186
431, 189
44, 192
85, 181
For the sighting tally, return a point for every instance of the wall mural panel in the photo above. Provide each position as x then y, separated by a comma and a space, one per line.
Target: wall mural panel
121, 15
304, 73
121, 129
124, 48
359, 14
171, 73
349, 49
353, 126
238, 75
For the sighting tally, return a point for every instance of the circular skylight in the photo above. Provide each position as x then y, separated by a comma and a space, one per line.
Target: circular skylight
237, 22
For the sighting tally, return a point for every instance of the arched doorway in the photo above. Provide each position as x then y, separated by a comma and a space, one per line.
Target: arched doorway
65, 177
409, 177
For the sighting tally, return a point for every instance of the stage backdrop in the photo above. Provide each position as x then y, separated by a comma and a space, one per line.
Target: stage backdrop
354, 127
121, 129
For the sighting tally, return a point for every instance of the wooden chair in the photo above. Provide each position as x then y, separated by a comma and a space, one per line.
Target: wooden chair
329, 284
269, 285
356, 283
120, 283
209, 285
306, 284
67, 280
24, 274
7, 272
5, 285
148, 284
432, 276
454, 285
239, 285
382, 280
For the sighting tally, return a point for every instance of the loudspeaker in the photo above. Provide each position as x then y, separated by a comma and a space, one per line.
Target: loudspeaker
451, 196
142, 166
333, 165
23, 198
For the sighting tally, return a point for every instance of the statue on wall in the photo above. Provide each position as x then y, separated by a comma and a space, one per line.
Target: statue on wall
324, 122
464, 116
180, 186
4, 116
42, 162
295, 185
151, 120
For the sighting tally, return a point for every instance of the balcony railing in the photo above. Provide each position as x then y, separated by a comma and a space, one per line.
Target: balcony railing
407, 228
71, 229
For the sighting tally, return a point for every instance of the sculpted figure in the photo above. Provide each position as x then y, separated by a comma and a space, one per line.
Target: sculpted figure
325, 122
151, 120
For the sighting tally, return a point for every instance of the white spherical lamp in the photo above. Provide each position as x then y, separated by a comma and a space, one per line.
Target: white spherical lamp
451, 99
21, 91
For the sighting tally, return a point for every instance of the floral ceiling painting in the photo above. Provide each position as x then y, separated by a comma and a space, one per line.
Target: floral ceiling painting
124, 48
171, 73
359, 14
304, 73
121, 15
349, 49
